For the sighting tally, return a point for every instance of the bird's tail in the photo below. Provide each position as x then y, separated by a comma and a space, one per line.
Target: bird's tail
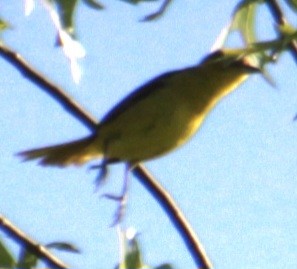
76, 153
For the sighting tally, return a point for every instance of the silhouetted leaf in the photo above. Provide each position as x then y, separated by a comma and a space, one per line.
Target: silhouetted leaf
133, 257
66, 10
131, 252
292, 4
135, 2
158, 13
6, 259
27, 259
164, 266
94, 4
63, 246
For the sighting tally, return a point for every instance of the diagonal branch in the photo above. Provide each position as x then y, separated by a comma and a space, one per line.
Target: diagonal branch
50, 88
176, 216
26, 242
161, 195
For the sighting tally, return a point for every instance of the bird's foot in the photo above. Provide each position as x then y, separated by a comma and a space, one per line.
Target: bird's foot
120, 211
102, 176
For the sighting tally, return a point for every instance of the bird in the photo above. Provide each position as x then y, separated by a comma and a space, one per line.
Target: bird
156, 118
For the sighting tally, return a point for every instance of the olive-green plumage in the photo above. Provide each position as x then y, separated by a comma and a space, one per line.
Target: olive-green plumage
157, 117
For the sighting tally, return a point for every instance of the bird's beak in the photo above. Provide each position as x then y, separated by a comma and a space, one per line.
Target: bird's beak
251, 66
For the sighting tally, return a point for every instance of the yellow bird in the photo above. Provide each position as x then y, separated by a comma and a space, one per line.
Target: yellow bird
157, 117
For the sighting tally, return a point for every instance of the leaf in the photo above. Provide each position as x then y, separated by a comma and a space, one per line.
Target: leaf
27, 259
4, 25
63, 246
135, 2
244, 19
157, 14
131, 253
164, 266
287, 29
6, 259
292, 4
132, 258
66, 10
94, 4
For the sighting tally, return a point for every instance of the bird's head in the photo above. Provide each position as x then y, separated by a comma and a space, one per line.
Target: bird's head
235, 59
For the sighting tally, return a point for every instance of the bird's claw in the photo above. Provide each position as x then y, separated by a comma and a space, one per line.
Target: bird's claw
102, 176
120, 211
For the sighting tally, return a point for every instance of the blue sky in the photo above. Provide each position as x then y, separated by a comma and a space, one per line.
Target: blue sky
235, 180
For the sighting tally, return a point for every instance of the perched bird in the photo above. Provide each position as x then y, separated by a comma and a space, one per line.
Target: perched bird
157, 117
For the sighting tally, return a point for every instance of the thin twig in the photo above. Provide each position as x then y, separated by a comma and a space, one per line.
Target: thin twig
280, 19
49, 87
177, 217
29, 244
161, 195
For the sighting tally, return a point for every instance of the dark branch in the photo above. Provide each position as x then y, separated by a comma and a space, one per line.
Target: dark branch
144, 177
176, 216
50, 88
29, 244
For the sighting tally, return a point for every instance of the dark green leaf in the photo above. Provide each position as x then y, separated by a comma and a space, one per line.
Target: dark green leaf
132, 254
133, 257
292, 4
6, 259
66, 10
158, 13
94, 4
164, 266
63, 246
135, 2
27, 259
